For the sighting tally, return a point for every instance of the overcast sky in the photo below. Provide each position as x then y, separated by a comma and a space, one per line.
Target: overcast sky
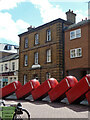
17, 15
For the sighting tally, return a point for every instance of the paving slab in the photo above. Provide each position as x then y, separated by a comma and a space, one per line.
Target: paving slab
48, 110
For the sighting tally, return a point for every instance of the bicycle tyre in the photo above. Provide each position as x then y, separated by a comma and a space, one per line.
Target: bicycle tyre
23, 110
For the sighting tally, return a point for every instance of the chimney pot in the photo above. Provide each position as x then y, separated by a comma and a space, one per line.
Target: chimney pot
30, 26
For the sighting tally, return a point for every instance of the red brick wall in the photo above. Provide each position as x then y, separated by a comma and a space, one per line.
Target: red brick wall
83, 43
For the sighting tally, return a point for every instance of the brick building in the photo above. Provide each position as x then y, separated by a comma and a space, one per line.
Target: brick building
77, 49
41, 52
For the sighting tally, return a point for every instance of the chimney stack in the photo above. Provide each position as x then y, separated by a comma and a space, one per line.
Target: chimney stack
71, 17
30, 28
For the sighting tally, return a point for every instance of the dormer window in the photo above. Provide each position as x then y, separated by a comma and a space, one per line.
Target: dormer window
7, 47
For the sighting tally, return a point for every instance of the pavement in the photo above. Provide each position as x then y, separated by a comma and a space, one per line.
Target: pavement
47, 110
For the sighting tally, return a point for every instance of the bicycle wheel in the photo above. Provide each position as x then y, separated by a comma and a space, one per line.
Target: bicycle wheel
24, 116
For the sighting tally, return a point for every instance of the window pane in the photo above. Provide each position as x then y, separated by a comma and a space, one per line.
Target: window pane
48, 55
26, 60
36, 39
2, 68
49, 35
78, 33
26, 42
72, 35
79, 52
36, 58
72, 53
6, 67
13, 65
25, 79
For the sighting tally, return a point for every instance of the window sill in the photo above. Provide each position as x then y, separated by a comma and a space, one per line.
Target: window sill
74, 38
48, 41
25, 65
26, 47
48, 62
76, 57
36, 44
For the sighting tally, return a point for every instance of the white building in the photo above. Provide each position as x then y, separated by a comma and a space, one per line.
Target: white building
8, 48
8, 69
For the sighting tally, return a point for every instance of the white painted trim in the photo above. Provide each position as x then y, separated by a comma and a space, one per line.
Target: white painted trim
67, 82
31, 85
36, 66
87, 81
14, 85
49, 84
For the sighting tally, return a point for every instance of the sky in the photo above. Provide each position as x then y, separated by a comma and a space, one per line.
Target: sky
17, 15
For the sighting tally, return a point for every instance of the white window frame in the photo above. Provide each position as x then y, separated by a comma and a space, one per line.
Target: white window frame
36, 58
76, 53
25, 60
36, 39
75, 34
26, 42
48, 52
48, 35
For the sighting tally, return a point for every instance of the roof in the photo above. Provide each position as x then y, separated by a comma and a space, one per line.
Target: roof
8, 48
45, 25
9, 57
78, 24
9, 44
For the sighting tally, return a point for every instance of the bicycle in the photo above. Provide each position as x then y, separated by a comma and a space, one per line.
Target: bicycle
14, 112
